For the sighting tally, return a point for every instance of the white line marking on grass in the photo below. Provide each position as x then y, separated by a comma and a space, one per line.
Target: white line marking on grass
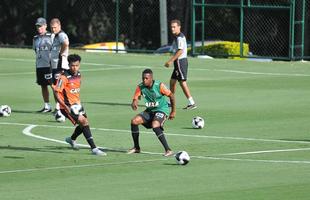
265, 151
253, 160
249, 72
170, 134
80, 166
27, 131
197, 69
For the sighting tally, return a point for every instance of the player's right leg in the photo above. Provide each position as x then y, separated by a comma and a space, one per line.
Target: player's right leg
43, 79
135, 122
83, 122
83, 127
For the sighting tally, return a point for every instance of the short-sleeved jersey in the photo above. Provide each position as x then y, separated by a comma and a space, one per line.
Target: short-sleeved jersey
179, 42
154, 97
42, 45
58, 40
68, 88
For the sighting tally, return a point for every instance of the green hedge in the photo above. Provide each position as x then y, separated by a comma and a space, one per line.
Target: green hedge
223, 49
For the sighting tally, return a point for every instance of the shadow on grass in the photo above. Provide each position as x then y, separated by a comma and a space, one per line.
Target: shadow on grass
109, 103
191, 128
24, 111
32, 149
14, 157
296, 140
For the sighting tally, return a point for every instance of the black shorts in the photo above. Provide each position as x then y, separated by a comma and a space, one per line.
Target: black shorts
44, 75
149, 117
73, 118
180, 69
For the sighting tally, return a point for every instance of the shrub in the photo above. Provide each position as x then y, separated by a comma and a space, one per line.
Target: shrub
223, 49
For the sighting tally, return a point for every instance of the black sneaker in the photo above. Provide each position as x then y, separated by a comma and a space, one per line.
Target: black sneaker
45, 110
190, 107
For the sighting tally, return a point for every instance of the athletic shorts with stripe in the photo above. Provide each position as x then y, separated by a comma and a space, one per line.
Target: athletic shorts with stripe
180, 69
44, 75
149, 117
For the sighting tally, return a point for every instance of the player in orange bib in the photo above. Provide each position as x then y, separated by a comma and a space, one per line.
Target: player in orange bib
67, 93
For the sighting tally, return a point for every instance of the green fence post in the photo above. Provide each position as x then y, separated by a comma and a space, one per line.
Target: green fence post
303, 29
45, 9
117, 24
241, 27
292, 30
203, 26
193, 28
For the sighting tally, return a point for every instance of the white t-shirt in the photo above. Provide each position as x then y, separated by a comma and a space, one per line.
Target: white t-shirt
179, 42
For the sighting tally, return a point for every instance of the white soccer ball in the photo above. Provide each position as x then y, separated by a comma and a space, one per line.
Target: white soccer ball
182, 157
5, 110
76, 109
60, 117
198, 122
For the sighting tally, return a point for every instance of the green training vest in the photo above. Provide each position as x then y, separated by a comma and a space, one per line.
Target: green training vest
154, 100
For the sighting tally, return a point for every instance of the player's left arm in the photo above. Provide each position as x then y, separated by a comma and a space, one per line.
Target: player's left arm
173, 58
165, 91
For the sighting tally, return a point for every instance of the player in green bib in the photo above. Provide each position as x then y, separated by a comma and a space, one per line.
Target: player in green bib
154, 93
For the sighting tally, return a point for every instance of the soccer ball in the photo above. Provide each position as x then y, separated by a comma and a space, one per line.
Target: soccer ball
76, 109
60, 117
198, 122
5, 110
182, 157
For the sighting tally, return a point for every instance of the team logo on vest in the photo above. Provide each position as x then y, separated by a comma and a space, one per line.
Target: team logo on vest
151, 104
75, 91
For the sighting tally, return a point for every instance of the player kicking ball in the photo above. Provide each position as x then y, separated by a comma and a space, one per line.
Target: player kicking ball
67, 93
156, 112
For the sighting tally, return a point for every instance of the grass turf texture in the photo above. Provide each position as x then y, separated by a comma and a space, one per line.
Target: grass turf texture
247, 106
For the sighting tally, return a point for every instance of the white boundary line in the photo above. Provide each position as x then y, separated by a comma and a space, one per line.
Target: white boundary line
170, 134
27, 131
141, 66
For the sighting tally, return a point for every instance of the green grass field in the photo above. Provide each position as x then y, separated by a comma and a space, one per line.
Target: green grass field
255, 145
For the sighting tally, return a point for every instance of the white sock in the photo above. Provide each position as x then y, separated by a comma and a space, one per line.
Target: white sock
191, 101
57, 106
47, 105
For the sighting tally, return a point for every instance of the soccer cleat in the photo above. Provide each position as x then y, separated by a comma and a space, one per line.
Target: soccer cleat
72, 143
96, 151
133, 150
190, 107
168, 153
45, 110
55, 111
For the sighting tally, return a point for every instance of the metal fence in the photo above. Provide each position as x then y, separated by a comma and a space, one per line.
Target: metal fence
272, 28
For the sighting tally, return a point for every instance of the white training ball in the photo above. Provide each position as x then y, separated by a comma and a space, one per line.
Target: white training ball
60, 117
182, 157
5, 110
198, 122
